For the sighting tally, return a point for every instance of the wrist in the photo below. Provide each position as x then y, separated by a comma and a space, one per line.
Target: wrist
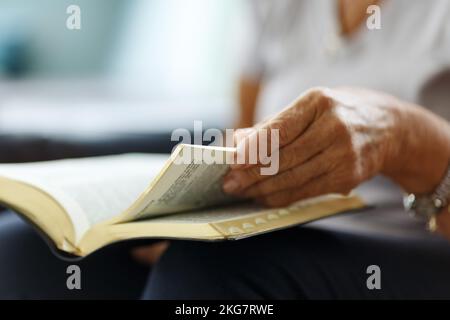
397, 151
419, 152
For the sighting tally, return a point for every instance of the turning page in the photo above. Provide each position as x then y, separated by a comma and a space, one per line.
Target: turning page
185, 183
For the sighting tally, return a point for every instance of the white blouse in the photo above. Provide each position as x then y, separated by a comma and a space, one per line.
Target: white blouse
295, 45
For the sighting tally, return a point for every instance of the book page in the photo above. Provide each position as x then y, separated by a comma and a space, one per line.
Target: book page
91, 189
233, 221
244, 209
213, 214
242, 219
184, 186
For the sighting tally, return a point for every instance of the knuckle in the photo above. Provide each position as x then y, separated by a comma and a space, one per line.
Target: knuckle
279, 127
321, 97
341, 128
317, 92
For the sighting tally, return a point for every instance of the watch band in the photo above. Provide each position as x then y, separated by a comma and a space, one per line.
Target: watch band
427, 207
442, 194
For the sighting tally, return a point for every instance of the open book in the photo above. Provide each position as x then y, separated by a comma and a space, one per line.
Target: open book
82, 205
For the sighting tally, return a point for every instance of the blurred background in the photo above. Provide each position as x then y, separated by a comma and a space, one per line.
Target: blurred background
136, 70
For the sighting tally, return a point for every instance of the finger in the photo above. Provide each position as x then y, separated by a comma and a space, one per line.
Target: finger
286, 126
239, 137
316, 139
247, 147
150, 254
292, 178
319, 186
241, 134
297, 117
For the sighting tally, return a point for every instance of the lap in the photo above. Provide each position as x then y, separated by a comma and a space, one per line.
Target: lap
323, 260
304, 262
30, 271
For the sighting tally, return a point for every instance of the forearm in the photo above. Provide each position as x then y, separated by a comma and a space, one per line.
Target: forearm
248, 96
420, 156
331, 140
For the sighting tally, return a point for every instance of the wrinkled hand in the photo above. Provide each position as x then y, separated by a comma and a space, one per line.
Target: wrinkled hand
330, 140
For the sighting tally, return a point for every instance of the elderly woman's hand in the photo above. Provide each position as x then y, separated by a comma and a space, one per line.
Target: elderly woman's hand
331, 140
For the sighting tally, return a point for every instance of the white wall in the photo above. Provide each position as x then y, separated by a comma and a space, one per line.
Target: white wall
52, 48
179, 48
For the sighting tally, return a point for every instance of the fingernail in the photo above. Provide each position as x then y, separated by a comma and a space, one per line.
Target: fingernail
230, 186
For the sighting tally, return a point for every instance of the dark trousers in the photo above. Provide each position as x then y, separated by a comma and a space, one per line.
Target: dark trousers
29, 270
327, 259
321, 261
